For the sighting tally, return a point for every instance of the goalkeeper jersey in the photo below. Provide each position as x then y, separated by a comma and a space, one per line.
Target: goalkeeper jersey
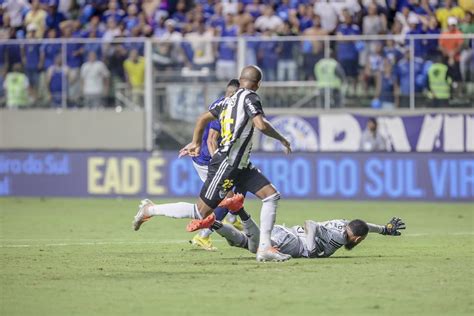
330, 236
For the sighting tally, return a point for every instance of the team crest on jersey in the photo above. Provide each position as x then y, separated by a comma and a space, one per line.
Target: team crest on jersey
300, 133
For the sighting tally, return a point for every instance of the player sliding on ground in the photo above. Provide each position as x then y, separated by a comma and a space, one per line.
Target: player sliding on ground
315, 240
230, 166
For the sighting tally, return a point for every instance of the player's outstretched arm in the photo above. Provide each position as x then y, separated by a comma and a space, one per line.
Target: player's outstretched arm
193, 148
392, 228
263, 125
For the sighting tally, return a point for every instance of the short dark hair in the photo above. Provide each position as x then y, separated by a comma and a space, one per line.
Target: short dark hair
373, 120
358, 227
234, 83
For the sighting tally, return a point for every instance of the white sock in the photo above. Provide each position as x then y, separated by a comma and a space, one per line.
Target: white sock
176, 210
205, 233
267, 220
231, 218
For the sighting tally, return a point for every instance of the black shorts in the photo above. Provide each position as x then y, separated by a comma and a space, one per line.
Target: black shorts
222, 177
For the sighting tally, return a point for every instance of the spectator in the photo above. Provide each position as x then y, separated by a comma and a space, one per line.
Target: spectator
251, 36
54, 18
217, 20
467, 5
56, 81
31, 59
226, 64
255, 8
373, 23
371, 140
329, 76
466, 61
169, 52
305, 16
286, 60
114, 12
37, 18
160, 28
134, 68
439, 83
13, 10
347, 53
16, 87
328, 14
94, 81
131, 20
391, 51
116, 56
387, 87
415, 29
284, 10
312, 50
74, 59
267, 55
451, 47
112, 31
180, 14
373, 67
402, 72
49, 50
93, 46
449, 10
202, 46
268, 21
431, 45
422, 7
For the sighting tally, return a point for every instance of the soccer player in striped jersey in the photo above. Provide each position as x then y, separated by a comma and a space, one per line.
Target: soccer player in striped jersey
230, 166
210, 142
314, 240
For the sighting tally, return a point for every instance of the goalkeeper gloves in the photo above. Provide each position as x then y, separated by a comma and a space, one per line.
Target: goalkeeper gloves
392, 228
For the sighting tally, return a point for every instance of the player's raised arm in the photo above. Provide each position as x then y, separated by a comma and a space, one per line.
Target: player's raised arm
391, 228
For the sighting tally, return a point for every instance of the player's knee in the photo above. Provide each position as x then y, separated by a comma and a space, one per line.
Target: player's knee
272, 198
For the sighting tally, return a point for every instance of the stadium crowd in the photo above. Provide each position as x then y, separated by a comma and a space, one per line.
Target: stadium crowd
189, 27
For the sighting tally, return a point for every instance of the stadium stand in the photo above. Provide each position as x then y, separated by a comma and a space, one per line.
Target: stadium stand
202, 38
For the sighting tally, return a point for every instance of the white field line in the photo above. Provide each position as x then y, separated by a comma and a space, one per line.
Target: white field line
13, 243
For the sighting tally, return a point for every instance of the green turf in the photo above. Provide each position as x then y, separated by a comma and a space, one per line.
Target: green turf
80, 257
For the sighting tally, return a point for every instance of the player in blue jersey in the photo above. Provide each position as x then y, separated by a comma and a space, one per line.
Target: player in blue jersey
210, 143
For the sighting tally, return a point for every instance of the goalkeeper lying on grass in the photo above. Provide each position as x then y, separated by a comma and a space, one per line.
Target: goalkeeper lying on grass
315, 240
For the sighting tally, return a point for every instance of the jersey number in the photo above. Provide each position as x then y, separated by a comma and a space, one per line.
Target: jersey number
226, 125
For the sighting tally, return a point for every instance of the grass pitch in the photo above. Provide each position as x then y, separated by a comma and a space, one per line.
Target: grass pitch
81, 257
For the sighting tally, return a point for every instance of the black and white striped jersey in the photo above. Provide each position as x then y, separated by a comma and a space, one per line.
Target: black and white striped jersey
235, 114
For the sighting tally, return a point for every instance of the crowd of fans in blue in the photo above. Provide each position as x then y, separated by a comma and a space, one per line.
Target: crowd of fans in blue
186, 32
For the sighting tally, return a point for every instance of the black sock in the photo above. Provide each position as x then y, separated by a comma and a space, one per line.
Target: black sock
216, 225
243, 214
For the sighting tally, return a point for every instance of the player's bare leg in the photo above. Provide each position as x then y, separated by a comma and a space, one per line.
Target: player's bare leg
266, 252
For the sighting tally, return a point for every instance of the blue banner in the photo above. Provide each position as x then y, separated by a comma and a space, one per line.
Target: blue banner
342, 176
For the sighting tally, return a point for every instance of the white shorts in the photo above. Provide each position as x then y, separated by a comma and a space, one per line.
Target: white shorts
201, 170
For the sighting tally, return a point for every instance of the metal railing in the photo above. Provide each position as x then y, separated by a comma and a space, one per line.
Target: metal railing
177, 84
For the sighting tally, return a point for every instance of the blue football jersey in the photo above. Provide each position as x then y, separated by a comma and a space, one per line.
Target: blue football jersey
205, 157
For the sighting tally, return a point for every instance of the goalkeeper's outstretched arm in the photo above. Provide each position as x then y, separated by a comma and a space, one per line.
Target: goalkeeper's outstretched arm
392, 228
